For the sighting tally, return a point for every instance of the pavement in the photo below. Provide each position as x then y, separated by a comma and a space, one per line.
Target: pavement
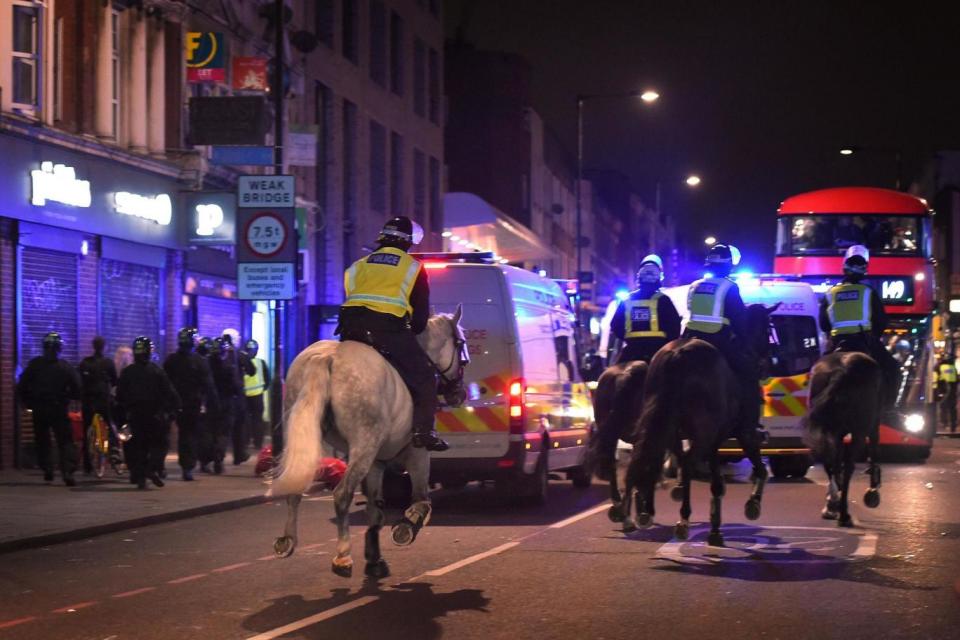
485, 569
50, 512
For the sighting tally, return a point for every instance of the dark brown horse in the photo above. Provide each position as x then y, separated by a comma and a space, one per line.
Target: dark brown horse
844, 412
617, 404
691, 405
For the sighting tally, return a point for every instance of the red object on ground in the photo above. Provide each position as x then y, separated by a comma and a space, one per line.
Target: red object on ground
76, 424
329, 470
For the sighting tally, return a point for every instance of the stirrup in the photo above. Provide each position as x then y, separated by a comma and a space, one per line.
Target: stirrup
430, 441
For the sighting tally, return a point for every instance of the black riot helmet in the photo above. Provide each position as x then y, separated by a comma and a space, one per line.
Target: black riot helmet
52, 345
721, 259
400, 232
252, 347
187, 339
142, 349
218, 348
203, 346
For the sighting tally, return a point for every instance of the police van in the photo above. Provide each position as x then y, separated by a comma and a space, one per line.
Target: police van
526, 415
796, 344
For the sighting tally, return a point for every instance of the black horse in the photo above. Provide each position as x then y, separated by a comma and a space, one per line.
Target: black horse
844, 413
691, 405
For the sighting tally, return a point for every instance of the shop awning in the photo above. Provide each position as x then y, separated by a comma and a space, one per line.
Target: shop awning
474, 223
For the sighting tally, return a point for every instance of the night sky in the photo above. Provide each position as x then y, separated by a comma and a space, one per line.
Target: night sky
756, 97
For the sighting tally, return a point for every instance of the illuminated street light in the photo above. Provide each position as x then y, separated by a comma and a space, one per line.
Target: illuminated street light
709, 241
693, 181
846, 151
649, 96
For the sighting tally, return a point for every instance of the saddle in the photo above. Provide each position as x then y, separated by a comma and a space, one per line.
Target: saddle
364, 336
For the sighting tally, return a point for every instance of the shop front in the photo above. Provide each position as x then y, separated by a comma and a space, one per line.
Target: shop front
94, 250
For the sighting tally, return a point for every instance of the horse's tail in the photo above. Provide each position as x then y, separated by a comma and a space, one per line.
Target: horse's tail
656, 422
302, 429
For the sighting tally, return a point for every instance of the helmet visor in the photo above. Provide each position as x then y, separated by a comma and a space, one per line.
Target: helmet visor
416, 237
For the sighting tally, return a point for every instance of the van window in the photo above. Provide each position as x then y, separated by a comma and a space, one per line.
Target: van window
535, 331
794, 345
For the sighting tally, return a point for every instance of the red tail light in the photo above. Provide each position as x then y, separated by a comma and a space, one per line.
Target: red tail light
517, 403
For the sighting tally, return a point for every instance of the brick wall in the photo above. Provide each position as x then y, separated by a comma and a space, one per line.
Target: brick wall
8, 318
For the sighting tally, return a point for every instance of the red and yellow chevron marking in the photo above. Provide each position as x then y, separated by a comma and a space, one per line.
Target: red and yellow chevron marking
786, 396
473, 420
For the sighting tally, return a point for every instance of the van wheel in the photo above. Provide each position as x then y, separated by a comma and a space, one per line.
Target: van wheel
580, 478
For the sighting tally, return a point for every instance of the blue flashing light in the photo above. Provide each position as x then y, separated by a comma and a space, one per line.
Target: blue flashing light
622, 294
707, 274
543, 273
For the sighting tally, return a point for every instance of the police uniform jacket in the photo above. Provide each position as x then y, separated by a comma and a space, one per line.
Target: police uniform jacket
49, 384
878, 316
145, 391
99, 375
191, 377
646, 321
723, 314
386, 291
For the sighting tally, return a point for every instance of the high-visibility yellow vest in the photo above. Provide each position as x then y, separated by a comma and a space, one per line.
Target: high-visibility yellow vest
382, 282
849, 309
254, 385
705, 302
641, 319
948, 372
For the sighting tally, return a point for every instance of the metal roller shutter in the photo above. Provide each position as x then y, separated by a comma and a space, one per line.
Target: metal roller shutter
216, 314
48, 301
129, 303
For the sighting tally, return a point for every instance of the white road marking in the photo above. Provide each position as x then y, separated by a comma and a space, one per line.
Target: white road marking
365, 600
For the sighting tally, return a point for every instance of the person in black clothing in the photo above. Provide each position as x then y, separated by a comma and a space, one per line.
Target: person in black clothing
387, 305
47, 386
191, 377
146, 398
647, 319
99, 376
242, 365
229, 388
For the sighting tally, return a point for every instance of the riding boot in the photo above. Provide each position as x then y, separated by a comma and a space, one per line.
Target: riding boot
425, 437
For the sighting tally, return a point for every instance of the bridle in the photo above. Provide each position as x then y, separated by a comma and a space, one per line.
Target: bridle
451, 387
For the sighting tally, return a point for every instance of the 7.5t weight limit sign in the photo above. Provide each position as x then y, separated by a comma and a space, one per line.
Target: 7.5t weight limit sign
265, 234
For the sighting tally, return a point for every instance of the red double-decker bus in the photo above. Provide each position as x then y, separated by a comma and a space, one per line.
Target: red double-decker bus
816, 228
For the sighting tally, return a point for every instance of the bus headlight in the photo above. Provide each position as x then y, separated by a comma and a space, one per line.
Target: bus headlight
914, 423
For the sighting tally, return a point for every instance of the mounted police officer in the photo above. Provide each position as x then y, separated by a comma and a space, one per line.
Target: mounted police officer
254, 387
718, 316
387, 305
853, 315
147, 398
190, 375
647, 319
47, 386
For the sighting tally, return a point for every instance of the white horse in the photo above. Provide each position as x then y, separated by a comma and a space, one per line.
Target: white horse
347, 395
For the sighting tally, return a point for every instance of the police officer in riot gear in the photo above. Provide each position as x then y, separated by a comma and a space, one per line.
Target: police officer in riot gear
254, 388
47, 386
853, 315
717, 316
229, 388
387, 305
191, 377
242, 366
99, 377
647, 319
146, 398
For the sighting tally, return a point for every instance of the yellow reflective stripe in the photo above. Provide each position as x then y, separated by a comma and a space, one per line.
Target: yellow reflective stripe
254, 385
651, 304
840, 312
715, 320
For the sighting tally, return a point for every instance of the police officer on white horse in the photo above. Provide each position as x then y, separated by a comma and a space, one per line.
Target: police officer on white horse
387, 305
853, 315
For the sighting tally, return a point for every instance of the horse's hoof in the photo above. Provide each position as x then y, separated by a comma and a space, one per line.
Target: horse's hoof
629, 526
872, 498
845, 521
829, 514
645, 519
715, 539
403, 534
681, 531
377, 570
676, 493
284, 546
751, 510
615, 514
343, 569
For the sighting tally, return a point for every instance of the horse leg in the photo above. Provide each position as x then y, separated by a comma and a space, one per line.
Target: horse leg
759, 478
285, 544
417, 515
682, 529
872, 497
376, 566
717, 489
831, 510
615, 513
358, 469
848, 465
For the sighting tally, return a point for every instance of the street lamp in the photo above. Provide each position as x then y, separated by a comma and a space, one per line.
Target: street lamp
648, 96
709, 241
693, 180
